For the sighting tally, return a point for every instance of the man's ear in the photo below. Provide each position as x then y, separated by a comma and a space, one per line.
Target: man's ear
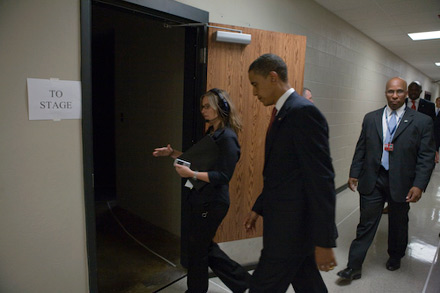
273, 76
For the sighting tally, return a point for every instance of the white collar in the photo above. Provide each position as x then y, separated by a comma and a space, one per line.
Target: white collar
399, 111
283, 99
416, 101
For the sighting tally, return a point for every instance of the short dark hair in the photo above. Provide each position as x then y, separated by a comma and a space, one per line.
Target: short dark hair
266, 63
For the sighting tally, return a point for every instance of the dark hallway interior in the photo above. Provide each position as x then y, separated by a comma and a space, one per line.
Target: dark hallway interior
144, 76
133, 255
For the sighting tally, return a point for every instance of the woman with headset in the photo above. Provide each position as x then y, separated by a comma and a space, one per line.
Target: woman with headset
209, 204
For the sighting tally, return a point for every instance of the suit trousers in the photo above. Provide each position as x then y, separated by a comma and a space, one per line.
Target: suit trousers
273, 276
288, 253
371, 206
203, 252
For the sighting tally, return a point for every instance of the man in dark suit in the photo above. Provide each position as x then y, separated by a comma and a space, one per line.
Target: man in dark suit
437, 107
393, 162
298, 197
307, 93
437, 129
418, 104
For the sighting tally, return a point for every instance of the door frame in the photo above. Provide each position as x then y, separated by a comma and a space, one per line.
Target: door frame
194, 86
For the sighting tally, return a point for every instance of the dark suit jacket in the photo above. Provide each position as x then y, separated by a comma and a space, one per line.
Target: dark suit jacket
411, 162
220, 175
437, 131
298, 176
426, 107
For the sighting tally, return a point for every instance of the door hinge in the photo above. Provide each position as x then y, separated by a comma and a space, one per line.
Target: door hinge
203, 55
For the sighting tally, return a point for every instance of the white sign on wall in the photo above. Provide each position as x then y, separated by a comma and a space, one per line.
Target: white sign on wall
53, 99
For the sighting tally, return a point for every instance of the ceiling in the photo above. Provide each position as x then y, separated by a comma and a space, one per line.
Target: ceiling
388, 21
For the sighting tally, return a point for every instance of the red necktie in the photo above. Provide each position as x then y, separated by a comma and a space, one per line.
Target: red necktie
272, 119
413, 105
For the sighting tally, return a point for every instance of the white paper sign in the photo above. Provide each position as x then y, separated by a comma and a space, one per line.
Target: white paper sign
53, 99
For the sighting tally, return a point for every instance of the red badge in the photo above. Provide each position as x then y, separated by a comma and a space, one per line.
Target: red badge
389, 147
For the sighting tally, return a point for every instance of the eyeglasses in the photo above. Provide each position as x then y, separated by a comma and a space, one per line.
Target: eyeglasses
398, 92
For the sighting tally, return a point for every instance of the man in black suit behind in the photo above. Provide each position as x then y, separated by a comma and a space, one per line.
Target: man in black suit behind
417, 103
437, 129
422, 105
298, 197
393, 161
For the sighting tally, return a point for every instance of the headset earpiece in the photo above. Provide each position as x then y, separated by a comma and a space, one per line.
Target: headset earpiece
223, 103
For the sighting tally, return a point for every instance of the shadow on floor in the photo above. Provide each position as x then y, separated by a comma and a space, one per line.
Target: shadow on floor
125, 264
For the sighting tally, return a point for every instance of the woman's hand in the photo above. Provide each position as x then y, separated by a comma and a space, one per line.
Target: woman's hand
184, 171
163, 151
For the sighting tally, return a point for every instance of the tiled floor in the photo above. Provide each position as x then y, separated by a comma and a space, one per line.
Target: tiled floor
420, 270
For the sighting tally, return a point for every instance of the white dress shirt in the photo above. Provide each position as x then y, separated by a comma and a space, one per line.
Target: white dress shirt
387, 114
283, 99
416, 102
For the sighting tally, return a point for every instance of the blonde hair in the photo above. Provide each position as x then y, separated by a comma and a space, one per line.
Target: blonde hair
228, 117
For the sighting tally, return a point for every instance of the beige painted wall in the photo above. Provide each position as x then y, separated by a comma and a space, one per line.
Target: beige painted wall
41, 189
345, 70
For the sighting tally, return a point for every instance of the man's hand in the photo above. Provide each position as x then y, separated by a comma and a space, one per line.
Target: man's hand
325, 258
352, 183
437, 157
249, 222
414, 194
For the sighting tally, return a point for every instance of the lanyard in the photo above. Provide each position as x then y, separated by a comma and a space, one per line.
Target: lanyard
392, 131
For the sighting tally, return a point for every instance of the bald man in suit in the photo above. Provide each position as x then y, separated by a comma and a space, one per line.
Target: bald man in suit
393, 161
421, 105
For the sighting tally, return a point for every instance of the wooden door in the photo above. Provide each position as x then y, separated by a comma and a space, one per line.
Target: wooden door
227, 69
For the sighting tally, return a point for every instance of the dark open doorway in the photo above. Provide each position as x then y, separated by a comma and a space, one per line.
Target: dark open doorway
141, 85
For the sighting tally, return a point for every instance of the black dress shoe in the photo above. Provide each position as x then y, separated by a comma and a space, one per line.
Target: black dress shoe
350, 274
393, 264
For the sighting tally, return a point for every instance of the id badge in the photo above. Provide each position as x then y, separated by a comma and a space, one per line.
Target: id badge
389, 147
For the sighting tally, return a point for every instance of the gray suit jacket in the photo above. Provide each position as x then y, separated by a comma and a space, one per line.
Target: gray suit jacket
411, 162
